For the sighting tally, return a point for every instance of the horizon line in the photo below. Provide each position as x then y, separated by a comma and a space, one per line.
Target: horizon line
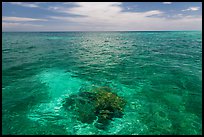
103, 31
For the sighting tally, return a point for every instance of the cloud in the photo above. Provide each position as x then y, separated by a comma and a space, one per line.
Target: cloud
69, 3
191, 9
8, 26
167, 2
110, 16
18, 19
110, 12
25, 4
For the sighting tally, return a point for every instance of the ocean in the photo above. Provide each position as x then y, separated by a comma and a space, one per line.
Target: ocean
158, 73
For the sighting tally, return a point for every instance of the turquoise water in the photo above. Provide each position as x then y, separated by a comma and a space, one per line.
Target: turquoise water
157, 73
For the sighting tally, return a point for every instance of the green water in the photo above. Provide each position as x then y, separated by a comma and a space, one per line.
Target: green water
158, 73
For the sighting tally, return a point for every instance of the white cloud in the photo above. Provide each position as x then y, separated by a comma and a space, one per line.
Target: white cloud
191, 9
17, 19
69, 3
55, 8
21, 25
167, 2
104, 13
25, 4
110, 16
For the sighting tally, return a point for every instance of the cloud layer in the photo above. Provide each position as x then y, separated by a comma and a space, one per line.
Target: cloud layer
25, 4
191, 9
17, 19
167, 2
110, 16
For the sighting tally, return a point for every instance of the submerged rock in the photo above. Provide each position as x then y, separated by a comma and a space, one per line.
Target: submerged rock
98, 104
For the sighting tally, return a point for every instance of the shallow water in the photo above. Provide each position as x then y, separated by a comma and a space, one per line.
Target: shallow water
158, 74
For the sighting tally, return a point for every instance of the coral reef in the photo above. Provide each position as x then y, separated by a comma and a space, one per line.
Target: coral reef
96, 104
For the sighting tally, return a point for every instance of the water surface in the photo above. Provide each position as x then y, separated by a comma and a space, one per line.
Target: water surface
158, 74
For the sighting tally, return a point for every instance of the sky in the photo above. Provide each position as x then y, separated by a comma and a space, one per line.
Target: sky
101, 16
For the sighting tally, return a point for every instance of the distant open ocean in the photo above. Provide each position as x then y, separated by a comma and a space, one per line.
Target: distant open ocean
158, 73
